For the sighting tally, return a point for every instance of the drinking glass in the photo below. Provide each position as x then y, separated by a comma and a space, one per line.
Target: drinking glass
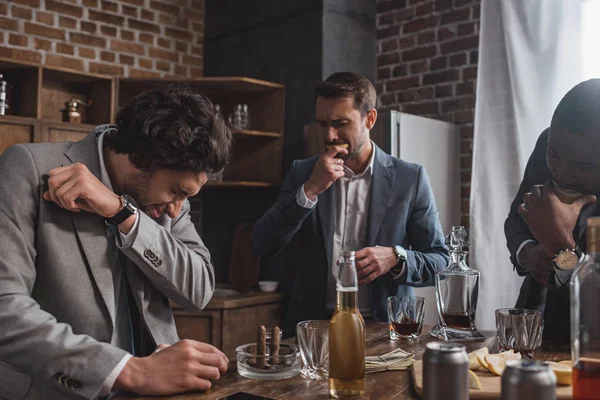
405, 316
313, 340
519, 330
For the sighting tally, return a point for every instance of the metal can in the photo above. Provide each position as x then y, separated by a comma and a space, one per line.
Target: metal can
445, 372
528, 380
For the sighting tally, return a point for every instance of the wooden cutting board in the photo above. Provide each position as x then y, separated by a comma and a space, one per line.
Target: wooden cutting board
490, 384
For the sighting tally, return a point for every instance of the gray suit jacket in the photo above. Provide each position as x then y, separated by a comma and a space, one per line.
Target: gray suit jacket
56, 287
402, 211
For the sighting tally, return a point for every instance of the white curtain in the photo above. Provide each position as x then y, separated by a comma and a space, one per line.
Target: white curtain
529, 57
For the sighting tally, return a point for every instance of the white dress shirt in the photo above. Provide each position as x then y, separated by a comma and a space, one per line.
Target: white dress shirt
352, 194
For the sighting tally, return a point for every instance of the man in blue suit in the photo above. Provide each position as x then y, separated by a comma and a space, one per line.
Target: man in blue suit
353, 197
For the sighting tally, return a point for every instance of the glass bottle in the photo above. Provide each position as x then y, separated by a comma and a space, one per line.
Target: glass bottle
456, 290
347, 334
585, 320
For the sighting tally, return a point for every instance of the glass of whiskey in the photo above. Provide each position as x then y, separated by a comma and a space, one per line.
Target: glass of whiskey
405, 316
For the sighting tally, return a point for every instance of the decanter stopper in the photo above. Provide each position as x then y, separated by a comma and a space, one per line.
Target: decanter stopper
458, 239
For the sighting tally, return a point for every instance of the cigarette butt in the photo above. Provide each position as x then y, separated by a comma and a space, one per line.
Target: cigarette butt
275, 344
261, 347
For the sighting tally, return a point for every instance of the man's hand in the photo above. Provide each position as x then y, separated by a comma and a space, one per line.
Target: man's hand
533, 257
327, 170
551, 221
75, 188
372, 262
184, 366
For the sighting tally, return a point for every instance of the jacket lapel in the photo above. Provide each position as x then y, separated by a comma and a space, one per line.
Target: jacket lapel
382, 185
90, 229
326, 212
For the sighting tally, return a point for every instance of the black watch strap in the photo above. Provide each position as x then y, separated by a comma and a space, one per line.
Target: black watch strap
127, 211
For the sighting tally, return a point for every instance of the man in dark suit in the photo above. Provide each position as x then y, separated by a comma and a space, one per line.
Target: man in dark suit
353, 197
545, 229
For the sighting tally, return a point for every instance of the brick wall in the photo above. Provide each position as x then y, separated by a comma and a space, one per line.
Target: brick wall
133, 38
427, 65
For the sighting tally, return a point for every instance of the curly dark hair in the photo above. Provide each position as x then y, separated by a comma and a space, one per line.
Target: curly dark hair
172, 128
349, 84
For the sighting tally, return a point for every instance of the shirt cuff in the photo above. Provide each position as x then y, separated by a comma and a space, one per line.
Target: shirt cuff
525, 242
127, 239
304, 201
110, 380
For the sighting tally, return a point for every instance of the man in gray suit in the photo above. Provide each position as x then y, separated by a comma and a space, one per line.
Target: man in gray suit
353, 197
96, 236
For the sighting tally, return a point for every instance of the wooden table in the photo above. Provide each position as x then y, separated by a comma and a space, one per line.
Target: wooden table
396, 385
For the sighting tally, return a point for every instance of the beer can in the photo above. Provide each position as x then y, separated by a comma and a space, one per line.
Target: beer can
528, 380
445, 372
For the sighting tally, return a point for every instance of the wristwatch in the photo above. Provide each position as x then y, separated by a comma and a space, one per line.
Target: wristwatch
127, 210
400, 254
566, 259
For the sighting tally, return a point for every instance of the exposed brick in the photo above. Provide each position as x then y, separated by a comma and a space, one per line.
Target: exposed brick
63, 8
65, 48
196, 72
388, 99
163, 66
18, 40
465, 220
146, 38
474, 57
21, 13
66, 22
466, 29
135, 2
181, 70
385, 19
198, 50
125, 59
64, 62
421, 23
147, 15
42, 44
45, 31
425, 108
426, 37
181, 47
419, 67
419, 53
406, 42
465, 176
402, 83
463, 116
465, 191
162, 42
106, 18
44, 17
9, 24
20, 55
127, 35
389, 45
445, 33
129, 10
438, 63
107, 56
455, 16
442, 76
469, 73
88, 27
466, 132
106, 69
400, 70
88, 40
388, 58
388, 32
165, 19
443, 91
468, 43
145, 63
30, 3
466, 161
108, 30
191, 60
404, 14
127, 47
178, 34
384, 73
424, 9
90, 3
461, 103
3, 8
142, 26
87, 52
442, 5
109, 6
383, 6
458, 59
138, 73
425, 93
164, 55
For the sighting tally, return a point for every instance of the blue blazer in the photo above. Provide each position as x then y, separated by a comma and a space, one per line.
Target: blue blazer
402, 211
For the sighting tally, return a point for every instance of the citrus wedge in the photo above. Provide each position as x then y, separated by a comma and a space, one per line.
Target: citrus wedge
474, 382
563, 372
497, 362
473, 361
481, 360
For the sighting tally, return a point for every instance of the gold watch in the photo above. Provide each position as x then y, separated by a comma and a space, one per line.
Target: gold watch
566, 259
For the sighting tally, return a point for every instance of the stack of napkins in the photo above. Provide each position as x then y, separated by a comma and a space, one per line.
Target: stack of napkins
395, 360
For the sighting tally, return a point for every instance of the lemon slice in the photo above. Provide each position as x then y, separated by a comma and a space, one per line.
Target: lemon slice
473, 361
497, 362
563, 372
474, 382
331, 146
481, 359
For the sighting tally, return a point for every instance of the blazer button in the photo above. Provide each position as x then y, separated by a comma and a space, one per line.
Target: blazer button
147, 253
159, 262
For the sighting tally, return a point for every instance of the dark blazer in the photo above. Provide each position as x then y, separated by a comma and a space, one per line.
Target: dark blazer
402, 211
554, 303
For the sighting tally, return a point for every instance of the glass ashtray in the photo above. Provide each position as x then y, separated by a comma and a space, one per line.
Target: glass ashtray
286, 365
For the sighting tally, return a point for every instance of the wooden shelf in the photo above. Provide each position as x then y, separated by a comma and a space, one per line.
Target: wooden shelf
239, 184
14, 119
256, 133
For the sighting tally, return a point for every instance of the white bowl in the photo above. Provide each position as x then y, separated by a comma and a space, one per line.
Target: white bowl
268, 286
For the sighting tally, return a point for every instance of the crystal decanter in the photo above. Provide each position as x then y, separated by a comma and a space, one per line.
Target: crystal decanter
456, 290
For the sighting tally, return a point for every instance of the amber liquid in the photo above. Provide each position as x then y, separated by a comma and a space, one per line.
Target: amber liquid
457, 321
346, 347
405, 328
586, 379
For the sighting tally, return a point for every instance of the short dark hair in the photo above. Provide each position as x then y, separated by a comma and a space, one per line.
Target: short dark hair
349, 84
172, 128
579, 110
